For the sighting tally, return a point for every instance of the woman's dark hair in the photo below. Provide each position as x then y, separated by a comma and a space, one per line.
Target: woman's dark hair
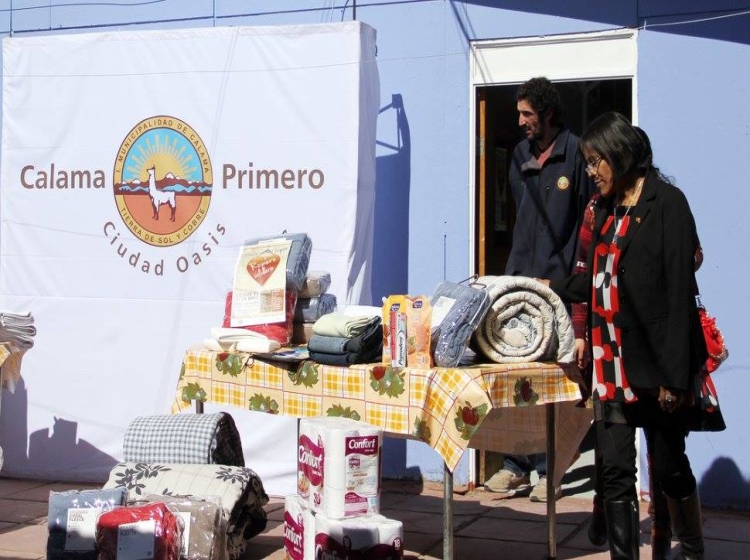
627, 151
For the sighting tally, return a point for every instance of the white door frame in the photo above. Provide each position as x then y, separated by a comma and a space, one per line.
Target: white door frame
573, 57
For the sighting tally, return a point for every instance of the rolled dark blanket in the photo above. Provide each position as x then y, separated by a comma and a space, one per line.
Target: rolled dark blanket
184, 438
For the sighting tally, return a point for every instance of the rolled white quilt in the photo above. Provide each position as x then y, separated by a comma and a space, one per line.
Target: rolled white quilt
526, 322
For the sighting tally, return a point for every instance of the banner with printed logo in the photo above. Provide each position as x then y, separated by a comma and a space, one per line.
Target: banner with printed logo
134, 166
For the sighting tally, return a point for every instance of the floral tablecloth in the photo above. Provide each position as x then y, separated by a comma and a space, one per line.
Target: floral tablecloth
487, 406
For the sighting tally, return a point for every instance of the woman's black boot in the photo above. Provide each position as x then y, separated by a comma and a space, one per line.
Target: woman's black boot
598, 525
623, 529
686, 524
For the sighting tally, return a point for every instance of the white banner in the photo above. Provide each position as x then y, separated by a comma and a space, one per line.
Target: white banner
134, 166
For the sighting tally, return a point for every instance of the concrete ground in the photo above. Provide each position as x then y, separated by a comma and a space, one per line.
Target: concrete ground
486, 525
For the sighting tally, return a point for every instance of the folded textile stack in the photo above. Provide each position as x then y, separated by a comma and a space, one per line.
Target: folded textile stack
18, 329
227, 339
238, 490
71, 521
314, 302
341, 340
526, 322
17, 333
200, 439
297, 261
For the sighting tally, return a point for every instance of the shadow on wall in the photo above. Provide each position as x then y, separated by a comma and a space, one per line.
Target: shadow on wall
390, 273
723, 485
393, 181
60, 456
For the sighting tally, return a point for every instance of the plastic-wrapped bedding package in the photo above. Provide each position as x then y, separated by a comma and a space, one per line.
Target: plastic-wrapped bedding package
238, 489
183, 438
71, 521
457, 309
299, 256
309, 310
205, 533
149, 531
316, 284
281, 332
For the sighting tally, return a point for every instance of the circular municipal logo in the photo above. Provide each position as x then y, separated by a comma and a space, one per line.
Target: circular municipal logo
563, 183
162, 181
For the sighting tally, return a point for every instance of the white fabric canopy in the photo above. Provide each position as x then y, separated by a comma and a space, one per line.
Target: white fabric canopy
224, 134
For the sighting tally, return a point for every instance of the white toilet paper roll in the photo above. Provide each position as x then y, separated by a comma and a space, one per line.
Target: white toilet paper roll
299, 529
391, 533
339, 466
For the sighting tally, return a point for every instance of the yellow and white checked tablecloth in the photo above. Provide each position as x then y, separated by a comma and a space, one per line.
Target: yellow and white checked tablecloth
487, 406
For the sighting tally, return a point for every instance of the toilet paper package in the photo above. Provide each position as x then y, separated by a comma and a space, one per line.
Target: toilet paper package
339, 466
299, 529
374, 537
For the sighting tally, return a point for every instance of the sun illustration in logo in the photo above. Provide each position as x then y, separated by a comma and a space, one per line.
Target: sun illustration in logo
163, 181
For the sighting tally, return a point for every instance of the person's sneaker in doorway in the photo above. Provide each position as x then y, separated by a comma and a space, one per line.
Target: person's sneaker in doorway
506, 482
539, 493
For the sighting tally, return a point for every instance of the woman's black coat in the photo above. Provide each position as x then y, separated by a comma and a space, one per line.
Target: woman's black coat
662, 341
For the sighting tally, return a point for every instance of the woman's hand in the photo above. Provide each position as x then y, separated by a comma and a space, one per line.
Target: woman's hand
669, 399
544, 281
582, 358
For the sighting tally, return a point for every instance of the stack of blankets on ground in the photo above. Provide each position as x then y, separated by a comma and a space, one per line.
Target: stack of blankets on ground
182, 491
335, 512
314, 301
354, 336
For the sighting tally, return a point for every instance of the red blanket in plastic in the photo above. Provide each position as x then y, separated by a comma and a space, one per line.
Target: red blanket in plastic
280, 332
149, 531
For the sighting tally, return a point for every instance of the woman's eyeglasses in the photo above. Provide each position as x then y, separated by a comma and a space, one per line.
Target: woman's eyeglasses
593, 165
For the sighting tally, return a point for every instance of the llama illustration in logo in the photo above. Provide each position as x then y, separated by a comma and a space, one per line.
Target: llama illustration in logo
160, 197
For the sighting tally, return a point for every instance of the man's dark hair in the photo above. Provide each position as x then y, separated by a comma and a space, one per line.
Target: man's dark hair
542, 95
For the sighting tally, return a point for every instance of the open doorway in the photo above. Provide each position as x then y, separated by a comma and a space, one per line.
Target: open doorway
498, 133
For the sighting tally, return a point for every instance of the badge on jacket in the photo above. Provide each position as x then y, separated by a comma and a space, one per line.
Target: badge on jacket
563, 183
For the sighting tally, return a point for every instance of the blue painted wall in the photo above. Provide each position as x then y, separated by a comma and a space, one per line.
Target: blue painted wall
693, 94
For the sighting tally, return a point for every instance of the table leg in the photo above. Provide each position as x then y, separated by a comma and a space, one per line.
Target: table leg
551, 507
447, 513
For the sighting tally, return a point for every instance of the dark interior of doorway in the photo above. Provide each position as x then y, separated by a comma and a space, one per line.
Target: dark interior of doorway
583, 102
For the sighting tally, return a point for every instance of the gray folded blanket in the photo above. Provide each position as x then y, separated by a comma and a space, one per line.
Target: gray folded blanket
184, 438
299, 256
460, 308
309, 310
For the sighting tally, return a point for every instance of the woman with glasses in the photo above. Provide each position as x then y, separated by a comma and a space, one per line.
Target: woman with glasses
645, 340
